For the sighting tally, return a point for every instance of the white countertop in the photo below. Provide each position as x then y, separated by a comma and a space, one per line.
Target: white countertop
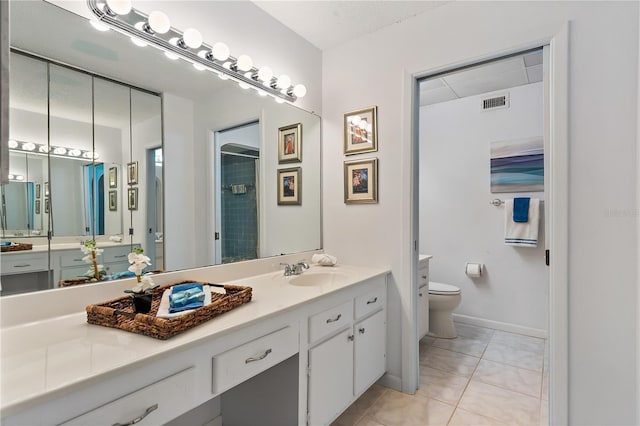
45, 359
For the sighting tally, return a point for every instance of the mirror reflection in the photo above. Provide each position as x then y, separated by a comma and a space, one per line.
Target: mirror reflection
151, 159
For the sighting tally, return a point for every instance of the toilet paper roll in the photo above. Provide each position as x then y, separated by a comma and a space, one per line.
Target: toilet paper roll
473, 270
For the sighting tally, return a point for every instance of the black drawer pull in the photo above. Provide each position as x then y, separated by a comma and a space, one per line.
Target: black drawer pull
258, 358
374, 300
330, 320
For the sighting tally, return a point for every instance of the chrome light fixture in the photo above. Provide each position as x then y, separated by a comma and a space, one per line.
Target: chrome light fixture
56, 151
155, 30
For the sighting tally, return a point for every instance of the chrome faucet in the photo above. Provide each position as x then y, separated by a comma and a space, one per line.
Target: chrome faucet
295, 268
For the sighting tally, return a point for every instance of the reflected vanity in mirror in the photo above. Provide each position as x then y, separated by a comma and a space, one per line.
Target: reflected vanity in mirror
108, 103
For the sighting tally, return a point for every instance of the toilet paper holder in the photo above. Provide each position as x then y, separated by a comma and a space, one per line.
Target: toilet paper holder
473, 269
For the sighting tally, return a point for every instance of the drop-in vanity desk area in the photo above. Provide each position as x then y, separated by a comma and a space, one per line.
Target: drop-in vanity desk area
300, 352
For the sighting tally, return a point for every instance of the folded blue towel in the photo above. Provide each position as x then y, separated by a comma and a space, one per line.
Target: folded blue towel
5, 243
125, 274
186, 296
521, 209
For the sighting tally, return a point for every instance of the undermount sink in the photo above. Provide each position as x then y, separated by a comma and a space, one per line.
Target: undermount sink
317, 278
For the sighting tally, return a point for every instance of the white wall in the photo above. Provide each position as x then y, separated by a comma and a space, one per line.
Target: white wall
603, 66
457, 223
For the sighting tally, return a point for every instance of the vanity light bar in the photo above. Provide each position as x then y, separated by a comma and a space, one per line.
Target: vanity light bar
188, 45
56, 151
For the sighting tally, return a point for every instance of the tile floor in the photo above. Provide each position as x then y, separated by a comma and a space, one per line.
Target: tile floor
483, 377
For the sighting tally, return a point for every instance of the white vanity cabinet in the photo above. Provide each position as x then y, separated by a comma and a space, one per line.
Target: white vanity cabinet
23, 262
347, 353
69, 264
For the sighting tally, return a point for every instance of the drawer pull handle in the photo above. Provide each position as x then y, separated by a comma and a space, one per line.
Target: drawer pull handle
420, 294
361, 330
77, 260
120, 256
330, 320
350, 337
424, 277
138, 419
258, 358
26, 265
374, 300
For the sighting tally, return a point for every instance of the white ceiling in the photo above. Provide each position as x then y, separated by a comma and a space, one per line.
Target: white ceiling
326, 24
490, 77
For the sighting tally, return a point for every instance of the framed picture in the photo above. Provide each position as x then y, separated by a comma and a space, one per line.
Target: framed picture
132, 196
113, 200
290, 144
46, 205
113, 177
290, 186
361, 181
37, 206
37, 190
361, 131
132, 173
46, 189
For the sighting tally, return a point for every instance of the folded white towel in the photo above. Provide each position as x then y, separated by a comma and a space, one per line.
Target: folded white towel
522, 234
163, 309
324, 259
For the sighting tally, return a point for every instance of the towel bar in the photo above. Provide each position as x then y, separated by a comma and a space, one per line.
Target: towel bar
498, 202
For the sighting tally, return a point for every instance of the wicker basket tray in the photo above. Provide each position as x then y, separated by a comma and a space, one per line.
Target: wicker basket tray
119, 313
17, 247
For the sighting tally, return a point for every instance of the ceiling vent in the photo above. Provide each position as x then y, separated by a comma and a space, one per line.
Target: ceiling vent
495, 102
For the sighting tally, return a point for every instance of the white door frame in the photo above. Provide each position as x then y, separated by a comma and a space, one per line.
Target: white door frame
558, 207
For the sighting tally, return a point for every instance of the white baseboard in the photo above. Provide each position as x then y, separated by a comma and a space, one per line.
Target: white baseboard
503, 326
390, 381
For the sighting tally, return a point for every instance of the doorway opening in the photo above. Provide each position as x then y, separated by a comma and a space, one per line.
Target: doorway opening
237, 193
483, 141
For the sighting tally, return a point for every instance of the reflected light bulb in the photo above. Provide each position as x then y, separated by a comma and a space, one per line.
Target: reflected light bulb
159, 22
244, 63
279, 100
199, 67
74, 152
220, 51
138, 42
120, 7
19, 177
192, 38
299, 90
171, 56
59, 150
265, 74
99, 26
28, 146
12, 143
243, 85
262, 93
284, 81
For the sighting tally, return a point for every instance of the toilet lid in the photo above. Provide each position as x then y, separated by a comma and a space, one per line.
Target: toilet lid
440, 288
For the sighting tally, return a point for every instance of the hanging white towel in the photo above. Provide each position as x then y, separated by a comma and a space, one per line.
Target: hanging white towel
522, 234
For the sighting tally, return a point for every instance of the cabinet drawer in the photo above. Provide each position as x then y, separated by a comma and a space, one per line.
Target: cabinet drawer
74, 258
117, 254
370, 302
240, 363
163, 400
328, 321
23, 263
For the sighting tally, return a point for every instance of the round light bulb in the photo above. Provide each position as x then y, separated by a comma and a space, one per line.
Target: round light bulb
74, 152
159, 22
244, 63
11, 177
120, 7
171, 56
19, 177
199, 67
284, 81
59, 151
265, 74
299, 90
12, 143
192, 38
220, 51
43, 148
28, 146
138, 42
99, 26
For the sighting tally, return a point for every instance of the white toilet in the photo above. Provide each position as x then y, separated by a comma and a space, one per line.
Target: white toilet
443, 299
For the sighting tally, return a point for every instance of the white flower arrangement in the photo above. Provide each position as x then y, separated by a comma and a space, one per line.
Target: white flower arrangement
138, 262
91, 252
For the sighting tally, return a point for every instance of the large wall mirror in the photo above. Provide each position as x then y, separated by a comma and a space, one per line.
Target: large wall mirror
166, 157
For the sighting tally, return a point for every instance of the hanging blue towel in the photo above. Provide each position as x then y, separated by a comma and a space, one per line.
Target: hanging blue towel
521, 209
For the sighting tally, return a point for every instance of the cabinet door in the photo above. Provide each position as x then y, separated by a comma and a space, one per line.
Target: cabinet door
330, 378
370, 351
